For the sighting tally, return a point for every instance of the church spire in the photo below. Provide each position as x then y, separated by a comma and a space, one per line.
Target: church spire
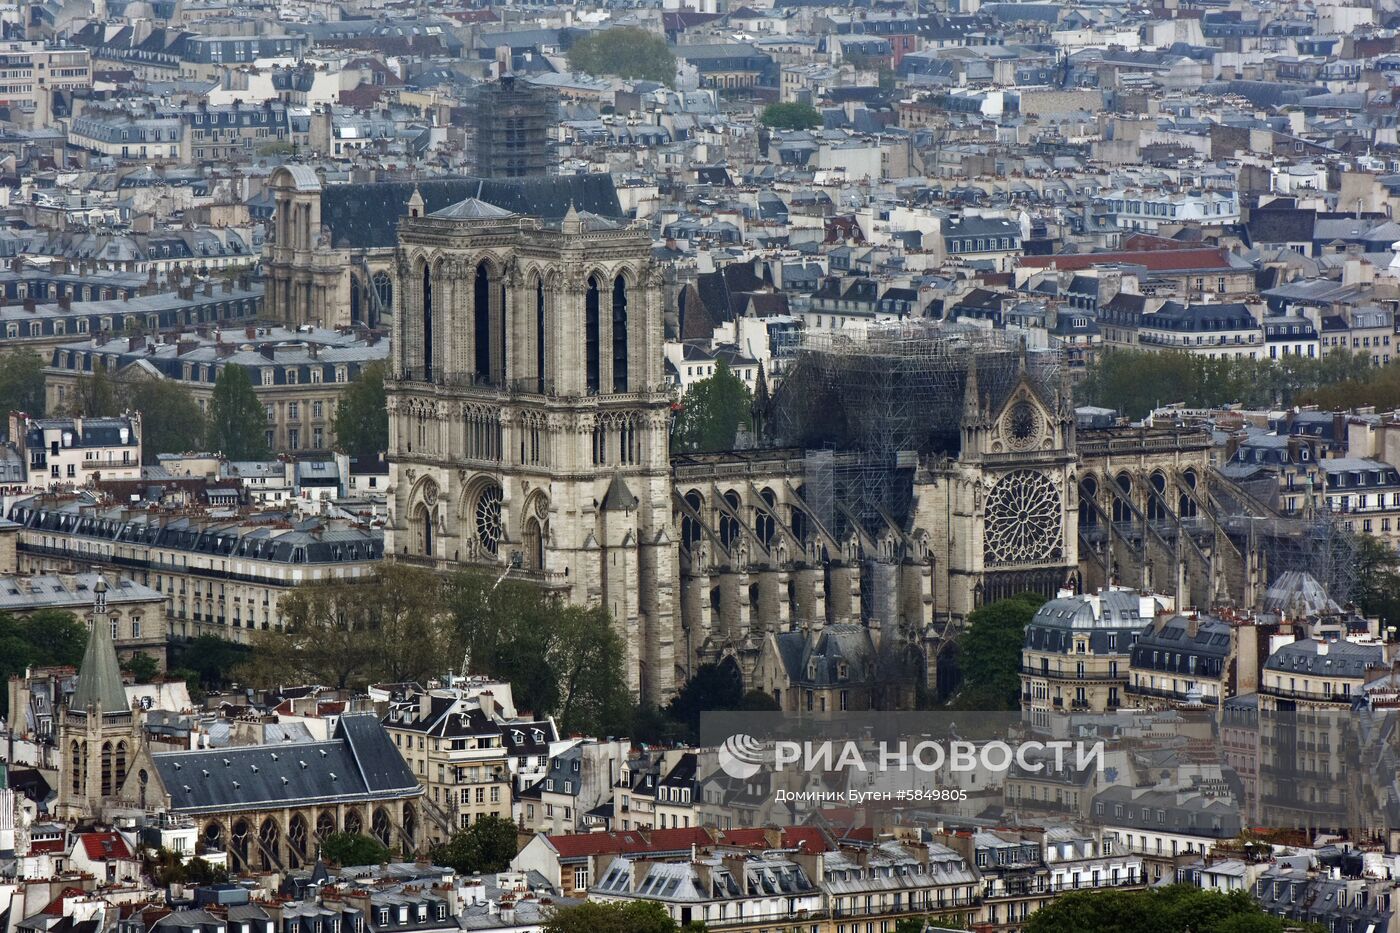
100, 676
972, 396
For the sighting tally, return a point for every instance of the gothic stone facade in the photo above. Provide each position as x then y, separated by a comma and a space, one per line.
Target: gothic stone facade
528, 428
529, 413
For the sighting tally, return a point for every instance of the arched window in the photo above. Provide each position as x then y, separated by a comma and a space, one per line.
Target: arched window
119, 771
590, 335
534, 544
384, 290
423, 530
355, 300
427, 322
619, 334
541, 350
481, 322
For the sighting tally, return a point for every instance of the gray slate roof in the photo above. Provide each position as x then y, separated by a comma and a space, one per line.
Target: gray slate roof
358, 764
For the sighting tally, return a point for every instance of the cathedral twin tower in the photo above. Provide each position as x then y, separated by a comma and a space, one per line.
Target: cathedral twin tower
529, 416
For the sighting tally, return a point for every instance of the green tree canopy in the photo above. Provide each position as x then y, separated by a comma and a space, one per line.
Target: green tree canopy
1377, 579
210, 659
714, 688
362, 417
1173, 909
166, 868
791, 117
49, 637
560, 659
486, 846
94, 396
349, 849
712, 412
348, 633
237, 421
22, 382
627, 52
989, 657
1134, 382
143, 667
171, 422
622, 917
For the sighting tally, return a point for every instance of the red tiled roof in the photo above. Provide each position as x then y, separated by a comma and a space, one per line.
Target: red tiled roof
810, 838
1170, 260
47, 845
55, 907
1140, 242
629, 842
103, 846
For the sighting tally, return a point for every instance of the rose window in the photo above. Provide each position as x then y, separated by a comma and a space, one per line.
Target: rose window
1022, 426
1023, 520
490, 530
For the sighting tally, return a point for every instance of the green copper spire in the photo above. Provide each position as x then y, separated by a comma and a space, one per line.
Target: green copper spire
100, 677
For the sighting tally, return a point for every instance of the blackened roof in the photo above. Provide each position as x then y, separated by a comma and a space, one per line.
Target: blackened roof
367, 215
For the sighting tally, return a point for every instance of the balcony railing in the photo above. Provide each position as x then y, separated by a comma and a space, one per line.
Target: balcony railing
1176, 696
1307, 696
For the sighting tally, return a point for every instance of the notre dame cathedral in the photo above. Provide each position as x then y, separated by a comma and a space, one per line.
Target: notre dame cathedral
901, 477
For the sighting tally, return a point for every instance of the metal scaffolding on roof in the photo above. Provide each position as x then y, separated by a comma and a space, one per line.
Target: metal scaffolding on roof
886, 396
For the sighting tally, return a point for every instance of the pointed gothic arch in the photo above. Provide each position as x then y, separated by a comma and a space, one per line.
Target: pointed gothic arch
592, 364
427, 322
481, 322
619, 333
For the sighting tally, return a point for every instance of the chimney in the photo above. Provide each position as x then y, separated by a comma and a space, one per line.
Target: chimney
29, 304
65, 302
208, 289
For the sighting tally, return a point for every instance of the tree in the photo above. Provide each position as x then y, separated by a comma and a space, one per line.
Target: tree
94, 396
171, 422
486, 846
351, 632
210, 659
198, 871
1134, 382
920, 924
791, 116
362, 418
712, 412
166, 868
1377, 579
1175, 908
989, 656
143, 667
350, 849
715, 688
627, 52
237, 421
22, 382
560, 659
47, 638
619, 917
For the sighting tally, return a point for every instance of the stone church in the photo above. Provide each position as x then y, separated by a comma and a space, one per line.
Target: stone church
901, 478
529, 420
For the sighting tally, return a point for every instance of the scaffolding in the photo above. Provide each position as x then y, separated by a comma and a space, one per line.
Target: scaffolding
874, 401
508, 129
1317, 542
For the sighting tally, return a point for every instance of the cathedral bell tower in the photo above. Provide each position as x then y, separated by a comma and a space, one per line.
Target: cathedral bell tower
98, 732
528, 414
